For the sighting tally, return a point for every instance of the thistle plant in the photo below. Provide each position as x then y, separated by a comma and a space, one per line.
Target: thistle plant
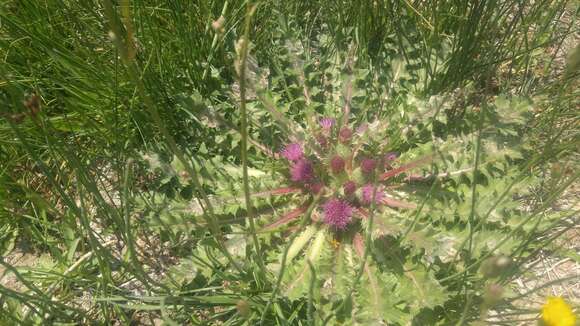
346, 172
380, 219
374, 218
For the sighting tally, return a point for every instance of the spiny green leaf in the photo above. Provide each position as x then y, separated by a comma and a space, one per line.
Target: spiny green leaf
421, 289
297, 275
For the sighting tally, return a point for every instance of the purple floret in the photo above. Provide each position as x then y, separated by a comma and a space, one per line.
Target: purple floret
337, 213
327, 123
302, 171
293, 152
367, 194
391, 156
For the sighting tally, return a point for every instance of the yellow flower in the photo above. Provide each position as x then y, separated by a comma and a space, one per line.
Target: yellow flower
556, 312
335, 243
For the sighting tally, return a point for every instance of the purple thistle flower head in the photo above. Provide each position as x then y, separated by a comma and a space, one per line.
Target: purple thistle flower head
315, 188
337, 213
322, 141
344, 135
367, 194
293, 152
391, 156
327, 123
349, 188
368, 165
301, 171
337, 164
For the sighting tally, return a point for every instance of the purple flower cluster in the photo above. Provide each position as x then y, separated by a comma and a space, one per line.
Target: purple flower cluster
334, 163
337, 213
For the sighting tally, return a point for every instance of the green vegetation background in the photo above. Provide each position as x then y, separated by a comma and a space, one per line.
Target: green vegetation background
88, 87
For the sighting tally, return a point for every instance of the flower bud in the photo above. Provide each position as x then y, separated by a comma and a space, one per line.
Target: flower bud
327, 123
218, 25
368, 165
391, 156
495, 266
315, 188
337, 164
349, 188
344, 135
322, 141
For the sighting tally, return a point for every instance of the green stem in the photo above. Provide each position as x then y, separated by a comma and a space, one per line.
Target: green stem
214, 44
244, 131
311, 294
471, 221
